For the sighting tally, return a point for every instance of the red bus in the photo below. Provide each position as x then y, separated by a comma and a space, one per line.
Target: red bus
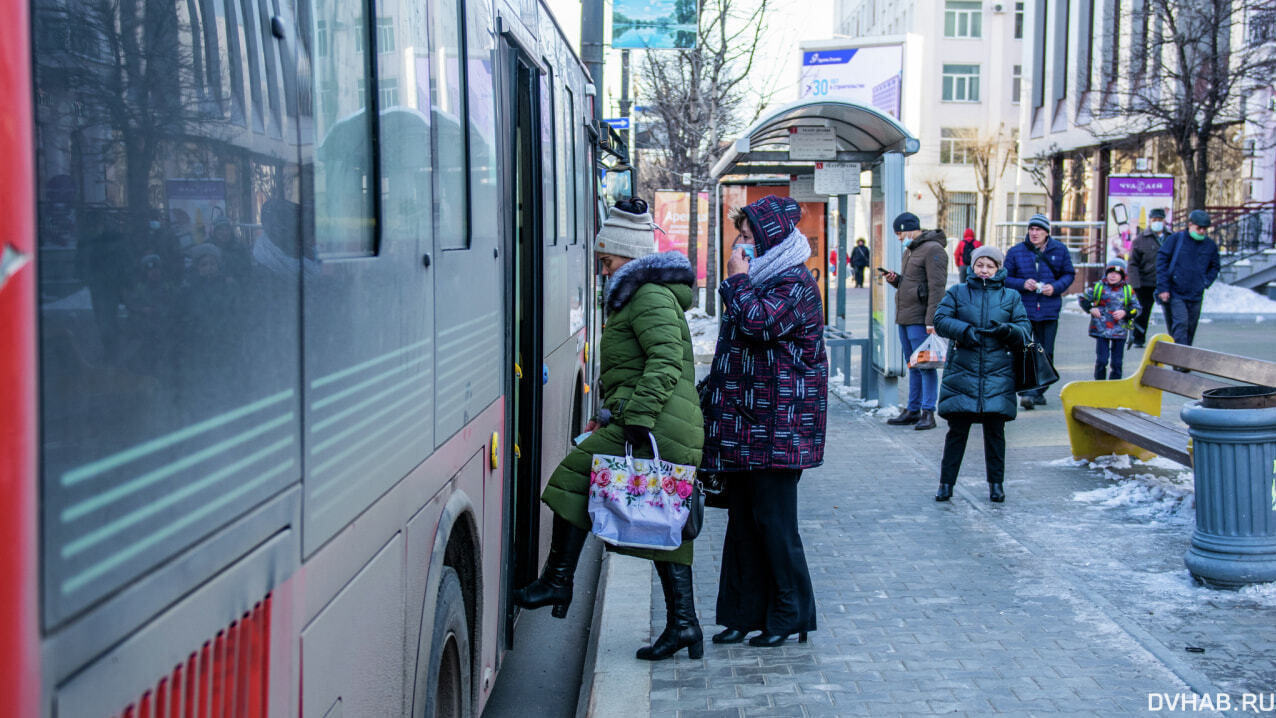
296, 304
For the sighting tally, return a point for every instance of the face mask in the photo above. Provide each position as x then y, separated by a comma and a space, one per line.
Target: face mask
1197, 236
1157, 226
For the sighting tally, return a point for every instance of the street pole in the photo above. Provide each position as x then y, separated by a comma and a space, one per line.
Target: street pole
591, 49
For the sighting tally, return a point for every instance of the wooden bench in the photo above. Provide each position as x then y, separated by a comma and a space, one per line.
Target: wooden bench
1123, 416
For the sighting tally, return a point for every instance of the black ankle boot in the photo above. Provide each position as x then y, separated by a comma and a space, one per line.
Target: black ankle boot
945, 492
555, 584
996, 493
681, 627
927, 420
905, 417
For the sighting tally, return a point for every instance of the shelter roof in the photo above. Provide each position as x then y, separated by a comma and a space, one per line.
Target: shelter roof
863, 135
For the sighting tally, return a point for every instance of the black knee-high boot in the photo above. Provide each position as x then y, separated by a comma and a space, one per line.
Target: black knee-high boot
681, 626
555, 584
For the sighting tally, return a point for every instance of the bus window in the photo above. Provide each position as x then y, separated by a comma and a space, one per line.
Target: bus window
170, 247
447, 97
548, 204
485, 220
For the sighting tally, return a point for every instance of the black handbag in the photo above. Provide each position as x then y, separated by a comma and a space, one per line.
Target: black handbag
695, 517
1033, 370
715, 489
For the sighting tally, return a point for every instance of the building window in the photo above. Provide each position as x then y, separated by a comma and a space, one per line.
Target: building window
955, 146
962, 18
321, 38
388, 92
1016, 83
1018, 21
961, 83
385, 34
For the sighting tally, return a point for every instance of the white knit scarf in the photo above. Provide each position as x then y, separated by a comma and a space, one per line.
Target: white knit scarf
794, 250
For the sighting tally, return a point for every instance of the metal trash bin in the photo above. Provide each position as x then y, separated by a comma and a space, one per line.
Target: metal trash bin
1233, 433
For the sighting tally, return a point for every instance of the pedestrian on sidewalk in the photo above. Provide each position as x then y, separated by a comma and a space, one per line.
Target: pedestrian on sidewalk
859, 261
765, 403
920, 285
1040, 268
1186, 265
1112, 306
986, 322
962, 254
1142, 272
647, 375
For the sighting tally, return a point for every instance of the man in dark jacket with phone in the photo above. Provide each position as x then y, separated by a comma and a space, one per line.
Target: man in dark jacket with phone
920, 283
1142, 268
1186, 265
1040, 267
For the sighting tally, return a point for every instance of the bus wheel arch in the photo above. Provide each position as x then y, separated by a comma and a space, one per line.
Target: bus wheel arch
454, 592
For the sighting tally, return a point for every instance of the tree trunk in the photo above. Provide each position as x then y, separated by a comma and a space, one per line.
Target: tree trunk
986, 201
693, 225
1197, 175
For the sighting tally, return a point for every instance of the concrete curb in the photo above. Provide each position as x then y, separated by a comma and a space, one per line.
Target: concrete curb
614, 682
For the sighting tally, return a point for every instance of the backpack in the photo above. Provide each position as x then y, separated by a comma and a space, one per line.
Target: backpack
968, 248
1127, 293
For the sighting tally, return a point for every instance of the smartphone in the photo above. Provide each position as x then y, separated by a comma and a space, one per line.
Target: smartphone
882, 270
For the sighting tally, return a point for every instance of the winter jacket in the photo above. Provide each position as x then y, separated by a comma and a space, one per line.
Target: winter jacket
647, 378
922, 279
766, 396
1052, 265
1194, 270
860, 256
1109, 298
1142, 264
979, 376
965, 248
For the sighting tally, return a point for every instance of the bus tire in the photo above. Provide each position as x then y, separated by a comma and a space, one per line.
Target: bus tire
449, 674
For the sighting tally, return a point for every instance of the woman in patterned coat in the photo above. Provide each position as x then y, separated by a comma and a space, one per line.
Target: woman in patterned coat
765, 402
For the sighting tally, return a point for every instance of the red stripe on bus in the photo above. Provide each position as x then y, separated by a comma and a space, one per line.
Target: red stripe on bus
19, 621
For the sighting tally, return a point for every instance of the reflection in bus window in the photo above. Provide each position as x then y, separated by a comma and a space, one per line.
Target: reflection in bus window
343, 210
479, 81
547, 158
448, 80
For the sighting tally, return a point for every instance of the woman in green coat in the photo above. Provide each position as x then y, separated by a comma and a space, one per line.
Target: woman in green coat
986, 323
648, 388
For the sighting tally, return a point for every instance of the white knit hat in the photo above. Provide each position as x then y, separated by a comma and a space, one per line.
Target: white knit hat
626, 234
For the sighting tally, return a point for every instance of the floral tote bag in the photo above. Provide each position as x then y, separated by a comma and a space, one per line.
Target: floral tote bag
640, 503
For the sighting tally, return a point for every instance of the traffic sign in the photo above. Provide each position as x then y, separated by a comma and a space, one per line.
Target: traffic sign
618, 123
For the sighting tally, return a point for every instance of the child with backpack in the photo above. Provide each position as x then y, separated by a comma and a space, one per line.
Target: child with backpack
1112, 307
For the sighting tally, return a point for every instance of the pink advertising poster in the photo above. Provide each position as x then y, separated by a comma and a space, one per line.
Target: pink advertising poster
1130, 199
673, 215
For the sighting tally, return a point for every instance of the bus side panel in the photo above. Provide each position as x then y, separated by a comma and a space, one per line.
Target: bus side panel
18, 655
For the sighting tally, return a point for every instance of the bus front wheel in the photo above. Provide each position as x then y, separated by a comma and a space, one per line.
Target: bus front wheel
449, 679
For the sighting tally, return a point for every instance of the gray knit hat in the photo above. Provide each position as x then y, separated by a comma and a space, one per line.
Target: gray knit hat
992, 253
1040, 220
626, 234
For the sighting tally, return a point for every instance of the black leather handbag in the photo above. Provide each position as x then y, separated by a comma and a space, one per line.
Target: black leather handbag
695, 518
1033, 369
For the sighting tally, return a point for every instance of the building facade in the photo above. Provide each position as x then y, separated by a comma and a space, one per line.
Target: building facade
963, 88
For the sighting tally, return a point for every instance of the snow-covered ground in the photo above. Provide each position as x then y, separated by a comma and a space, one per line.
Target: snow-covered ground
1154, 490
704, 332
1229, 299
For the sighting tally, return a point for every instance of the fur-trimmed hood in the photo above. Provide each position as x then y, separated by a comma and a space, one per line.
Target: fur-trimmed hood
662, 268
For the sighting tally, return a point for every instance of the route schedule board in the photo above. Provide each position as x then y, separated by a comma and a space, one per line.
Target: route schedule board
870, 76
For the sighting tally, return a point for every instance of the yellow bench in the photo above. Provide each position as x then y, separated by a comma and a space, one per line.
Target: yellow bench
1123, 416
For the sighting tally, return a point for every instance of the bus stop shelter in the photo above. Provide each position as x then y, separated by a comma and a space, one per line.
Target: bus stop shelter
849, 150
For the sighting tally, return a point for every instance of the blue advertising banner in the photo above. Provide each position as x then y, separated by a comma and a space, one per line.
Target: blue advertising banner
653, 24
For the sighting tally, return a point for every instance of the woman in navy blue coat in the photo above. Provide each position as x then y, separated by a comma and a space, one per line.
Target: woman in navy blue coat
986, 323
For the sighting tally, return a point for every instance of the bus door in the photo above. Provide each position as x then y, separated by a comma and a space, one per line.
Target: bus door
524, 329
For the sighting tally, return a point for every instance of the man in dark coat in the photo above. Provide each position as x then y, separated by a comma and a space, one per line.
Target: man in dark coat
859, 261
1142, 269
1040, 268
1186, 265
920, 284
765, 402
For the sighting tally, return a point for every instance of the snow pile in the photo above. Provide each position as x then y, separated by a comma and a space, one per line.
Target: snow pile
1156, 490
1173, 586
1229, 299
704, 332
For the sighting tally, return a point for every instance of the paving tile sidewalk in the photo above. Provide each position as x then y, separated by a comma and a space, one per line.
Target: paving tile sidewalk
953, 609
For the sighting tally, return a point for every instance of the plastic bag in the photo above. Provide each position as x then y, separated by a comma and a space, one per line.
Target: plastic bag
932, 354
641, 503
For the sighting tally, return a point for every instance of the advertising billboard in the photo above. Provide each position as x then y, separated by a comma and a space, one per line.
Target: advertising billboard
1130, 198
673, 215
871, 76
653, 24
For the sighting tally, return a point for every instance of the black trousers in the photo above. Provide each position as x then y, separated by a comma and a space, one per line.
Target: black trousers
859, 276
1147, 300
1044, 333
955, 447
1183, 315
765, 584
